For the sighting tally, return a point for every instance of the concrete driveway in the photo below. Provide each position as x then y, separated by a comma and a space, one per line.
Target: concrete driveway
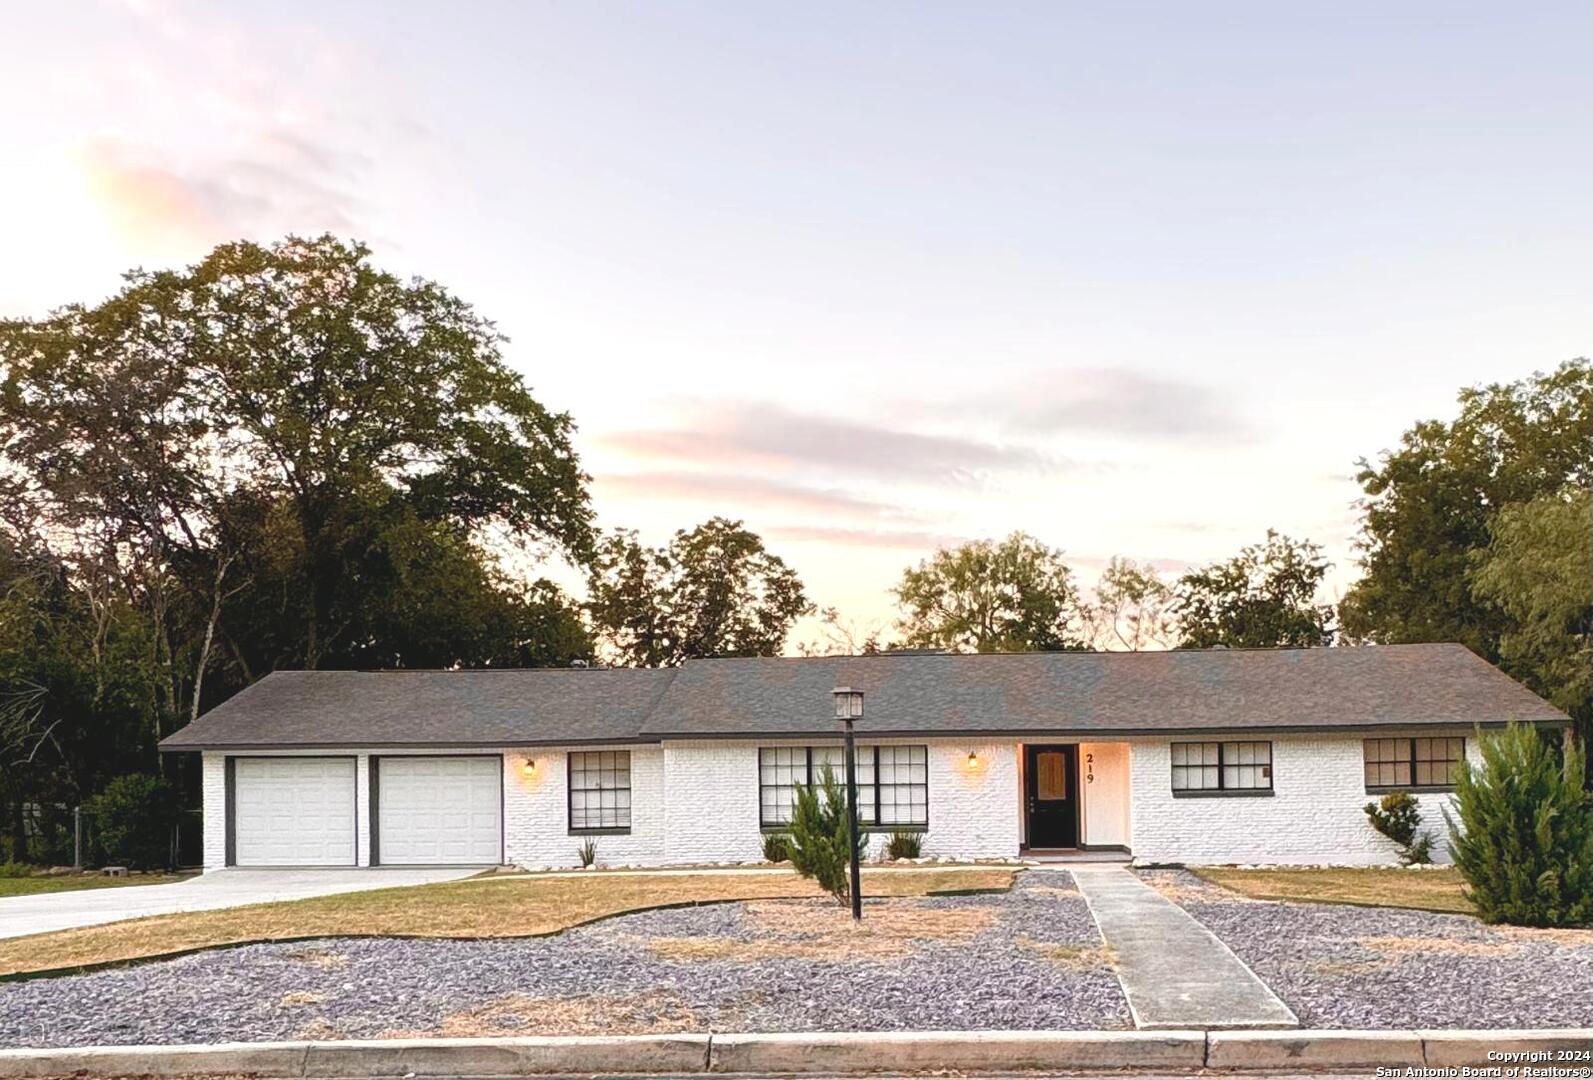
20, 915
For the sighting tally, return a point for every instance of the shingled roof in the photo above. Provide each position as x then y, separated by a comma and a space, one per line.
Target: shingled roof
519, 707
1018, 694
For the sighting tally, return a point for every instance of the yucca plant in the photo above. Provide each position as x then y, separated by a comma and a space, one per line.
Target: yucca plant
587, 853
1522, 834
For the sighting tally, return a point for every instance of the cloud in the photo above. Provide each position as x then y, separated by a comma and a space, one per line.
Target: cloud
907, 539
737, 494
278, 182
762, 435
1116, 401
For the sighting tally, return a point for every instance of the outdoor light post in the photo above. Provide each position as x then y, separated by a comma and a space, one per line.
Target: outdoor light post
849, 708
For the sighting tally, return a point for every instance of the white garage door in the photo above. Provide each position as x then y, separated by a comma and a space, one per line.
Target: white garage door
439, 810
293, 811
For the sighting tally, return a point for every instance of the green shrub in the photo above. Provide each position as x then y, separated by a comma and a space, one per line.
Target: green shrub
1524, 835
1398, 816
134, 818
821, 837
776, 847
15, 870
904, 845
587, 852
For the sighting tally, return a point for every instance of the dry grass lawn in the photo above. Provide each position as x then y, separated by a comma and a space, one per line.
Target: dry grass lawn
479, 908
1425, 890
33, 884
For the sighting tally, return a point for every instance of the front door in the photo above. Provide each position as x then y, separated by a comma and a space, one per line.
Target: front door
1052, 798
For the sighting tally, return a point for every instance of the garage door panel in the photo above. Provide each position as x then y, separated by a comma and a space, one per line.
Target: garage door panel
440, 810
292, 811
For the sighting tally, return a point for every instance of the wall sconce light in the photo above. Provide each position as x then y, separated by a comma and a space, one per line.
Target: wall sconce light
530, 767
973, 760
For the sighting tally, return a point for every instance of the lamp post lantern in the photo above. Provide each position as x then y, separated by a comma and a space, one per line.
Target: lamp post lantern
848, 709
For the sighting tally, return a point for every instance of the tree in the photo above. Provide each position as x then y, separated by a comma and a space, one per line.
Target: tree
1262, 597
843, 637
1537, 570
1013, 595
714, 590
297, 376
1428, 503
1133, 608
280, 457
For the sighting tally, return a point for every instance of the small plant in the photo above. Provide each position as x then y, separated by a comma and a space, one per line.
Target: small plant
821, 836
587, 853
776, 847
15, 870
904, 845
1522, 835
1398, 816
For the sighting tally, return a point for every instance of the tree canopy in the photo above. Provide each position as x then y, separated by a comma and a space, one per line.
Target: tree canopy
1264, 596
282, 456
1012, 595
1428, 504
714, 590
1537, 570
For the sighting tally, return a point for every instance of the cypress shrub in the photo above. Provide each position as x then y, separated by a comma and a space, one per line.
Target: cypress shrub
1522, 835
820, 839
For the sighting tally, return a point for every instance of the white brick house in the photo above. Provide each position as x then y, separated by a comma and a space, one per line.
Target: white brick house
1212, 756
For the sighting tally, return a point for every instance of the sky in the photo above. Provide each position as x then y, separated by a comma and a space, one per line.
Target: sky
1140, 279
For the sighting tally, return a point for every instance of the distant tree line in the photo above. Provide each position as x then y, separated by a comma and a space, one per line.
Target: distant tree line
285, 457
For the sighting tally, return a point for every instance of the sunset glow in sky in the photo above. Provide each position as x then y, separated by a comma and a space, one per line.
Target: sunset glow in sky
1140, 279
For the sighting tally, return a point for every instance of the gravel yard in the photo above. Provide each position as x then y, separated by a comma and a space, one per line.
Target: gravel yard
1338, 966
1030, 958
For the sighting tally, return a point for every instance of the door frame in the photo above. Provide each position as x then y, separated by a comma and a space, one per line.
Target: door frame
1077, 791
374, 768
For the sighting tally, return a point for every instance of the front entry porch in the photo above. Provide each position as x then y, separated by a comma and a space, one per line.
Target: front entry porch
1074, 800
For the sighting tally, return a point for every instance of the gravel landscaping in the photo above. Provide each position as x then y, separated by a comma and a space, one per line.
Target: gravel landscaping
1030, 958
1339, 966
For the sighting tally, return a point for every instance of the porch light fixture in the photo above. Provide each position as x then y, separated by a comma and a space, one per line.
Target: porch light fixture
849, 709
973, 759
530, 767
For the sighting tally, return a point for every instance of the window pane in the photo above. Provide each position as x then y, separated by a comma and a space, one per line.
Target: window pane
600, 789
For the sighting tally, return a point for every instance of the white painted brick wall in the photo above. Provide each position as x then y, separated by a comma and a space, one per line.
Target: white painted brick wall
712, 801
213, 803
697, 801
1315, 815
536, 812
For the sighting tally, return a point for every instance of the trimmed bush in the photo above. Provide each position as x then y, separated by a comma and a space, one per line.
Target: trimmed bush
820, 841
1398, 816
1522, 834
776, 847
904, 845
134, 819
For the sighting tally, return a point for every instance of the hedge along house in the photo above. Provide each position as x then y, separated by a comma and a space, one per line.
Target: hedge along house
1210, 756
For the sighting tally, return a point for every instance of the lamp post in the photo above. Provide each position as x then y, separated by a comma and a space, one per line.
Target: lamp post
848, 709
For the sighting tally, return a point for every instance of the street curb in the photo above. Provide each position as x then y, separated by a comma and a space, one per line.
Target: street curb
836, 1053
923, 1051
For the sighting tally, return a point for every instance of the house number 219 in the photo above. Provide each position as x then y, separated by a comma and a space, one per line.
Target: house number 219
1089, 768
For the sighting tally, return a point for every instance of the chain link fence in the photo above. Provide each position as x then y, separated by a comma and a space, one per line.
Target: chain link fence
61, 835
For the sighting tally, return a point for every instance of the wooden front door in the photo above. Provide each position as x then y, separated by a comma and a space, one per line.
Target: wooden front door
1051, 773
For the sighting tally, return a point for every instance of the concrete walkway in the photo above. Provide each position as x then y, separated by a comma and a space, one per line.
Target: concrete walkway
1175, 973
43, 912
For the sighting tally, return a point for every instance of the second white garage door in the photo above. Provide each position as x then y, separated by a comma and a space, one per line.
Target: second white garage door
439, 811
